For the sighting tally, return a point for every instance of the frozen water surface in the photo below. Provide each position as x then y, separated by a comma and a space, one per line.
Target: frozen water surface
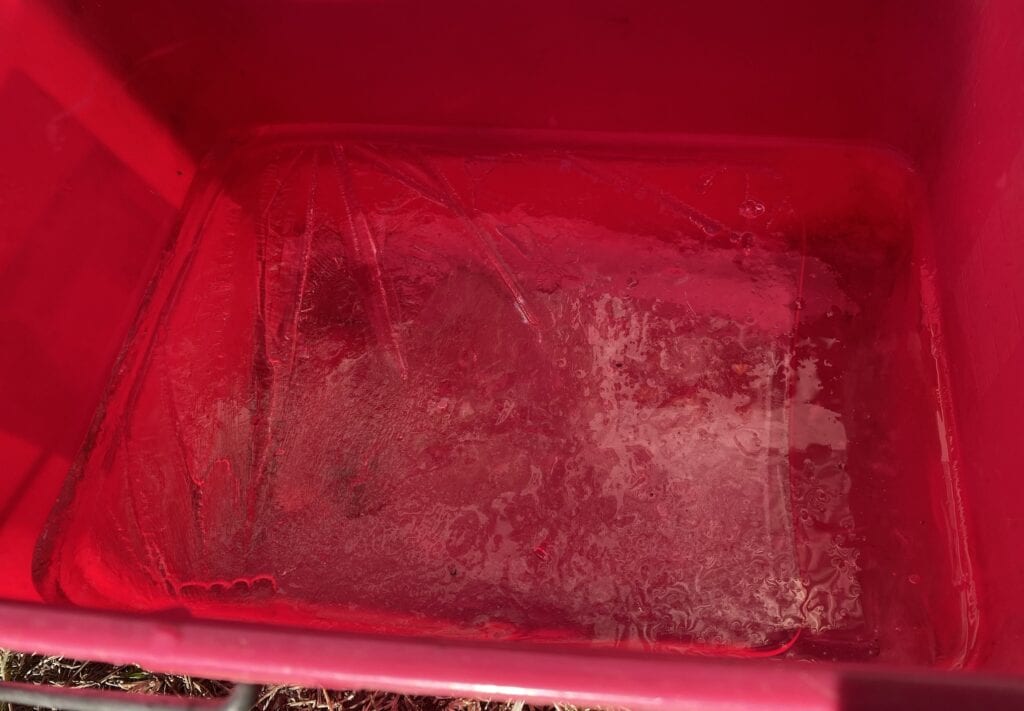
563, 395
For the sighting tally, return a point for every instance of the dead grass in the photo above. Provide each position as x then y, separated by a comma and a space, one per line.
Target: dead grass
58, 671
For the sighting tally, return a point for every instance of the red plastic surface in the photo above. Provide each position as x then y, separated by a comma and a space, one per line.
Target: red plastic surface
905, 522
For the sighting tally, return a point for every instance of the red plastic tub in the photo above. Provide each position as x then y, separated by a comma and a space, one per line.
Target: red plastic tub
649, 355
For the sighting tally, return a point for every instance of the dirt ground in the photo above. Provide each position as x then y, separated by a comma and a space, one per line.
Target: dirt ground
58, 671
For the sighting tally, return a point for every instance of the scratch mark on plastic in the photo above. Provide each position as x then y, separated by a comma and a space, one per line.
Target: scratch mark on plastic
262, 434
364, 244
444, 194
195, 483
307, 251
705, 223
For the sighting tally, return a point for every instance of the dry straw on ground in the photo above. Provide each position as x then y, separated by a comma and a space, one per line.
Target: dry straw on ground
58, 671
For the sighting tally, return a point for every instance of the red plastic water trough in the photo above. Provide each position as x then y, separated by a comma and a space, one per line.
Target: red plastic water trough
567, 351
